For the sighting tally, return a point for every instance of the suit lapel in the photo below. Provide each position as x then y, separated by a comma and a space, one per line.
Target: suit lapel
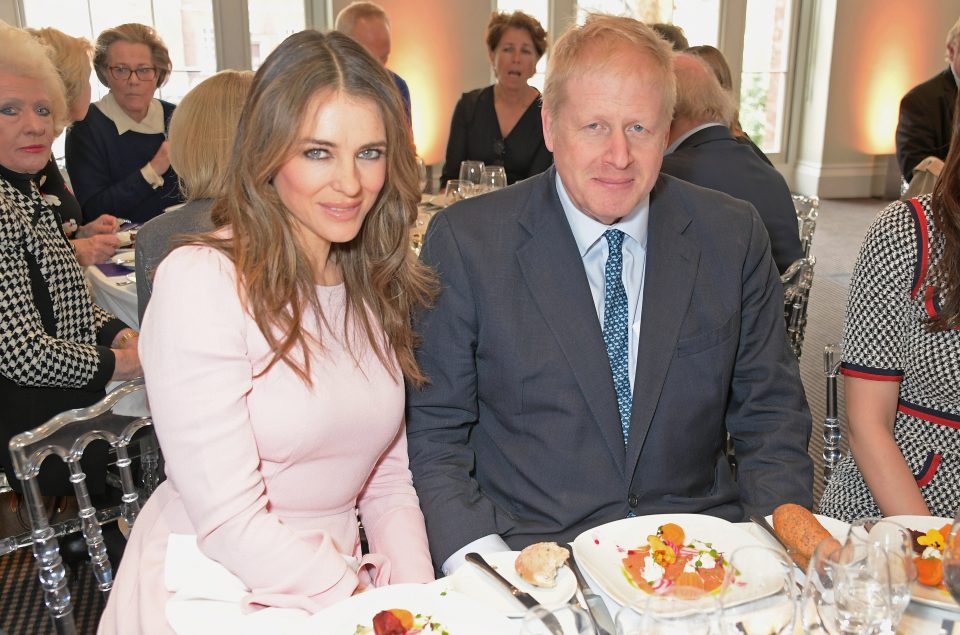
553, 270
671, 270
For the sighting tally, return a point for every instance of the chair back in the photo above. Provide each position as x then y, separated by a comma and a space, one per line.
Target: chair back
797, 281
832, 435
115, 419
807, 208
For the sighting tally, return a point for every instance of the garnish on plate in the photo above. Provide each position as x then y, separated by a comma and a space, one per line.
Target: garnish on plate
401, 622
669, 563
929, 548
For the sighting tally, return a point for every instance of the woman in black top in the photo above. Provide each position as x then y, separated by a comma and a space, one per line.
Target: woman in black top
500, 124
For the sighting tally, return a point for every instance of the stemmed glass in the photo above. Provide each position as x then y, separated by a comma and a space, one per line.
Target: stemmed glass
471, 171
684, 611
457, 190
886, 549
492, 178
768, 602
951, 560
570, 619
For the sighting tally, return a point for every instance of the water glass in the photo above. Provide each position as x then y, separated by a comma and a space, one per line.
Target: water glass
471, 171
572, 620
885, 549
422, 174
457, 190
493, 177
765, 601
951, 560
685, 611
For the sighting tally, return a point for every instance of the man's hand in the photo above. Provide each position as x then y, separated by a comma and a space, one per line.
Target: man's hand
97, 248
105, 224
161, 160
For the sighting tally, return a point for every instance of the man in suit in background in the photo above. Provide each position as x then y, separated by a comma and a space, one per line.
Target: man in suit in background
704, 152
368, 24
926, 113
600, 329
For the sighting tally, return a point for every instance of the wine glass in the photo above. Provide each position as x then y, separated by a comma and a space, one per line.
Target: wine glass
768, 601
951, 559
457, 190
470, 171
492, 178
886, 549
572, 620
422, 173
683, 611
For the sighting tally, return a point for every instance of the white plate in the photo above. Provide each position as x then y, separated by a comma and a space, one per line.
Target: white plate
125, 258
132, 277
455, 613
601, 551
837, 528
921, 592
470, 581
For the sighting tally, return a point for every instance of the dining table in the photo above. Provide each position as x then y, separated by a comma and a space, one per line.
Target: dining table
114, 289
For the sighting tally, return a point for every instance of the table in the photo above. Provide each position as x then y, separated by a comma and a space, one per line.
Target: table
116, 294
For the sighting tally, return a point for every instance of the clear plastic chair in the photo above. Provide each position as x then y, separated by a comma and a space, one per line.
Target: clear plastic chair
797, 281
807, 208
832, 434
115, 419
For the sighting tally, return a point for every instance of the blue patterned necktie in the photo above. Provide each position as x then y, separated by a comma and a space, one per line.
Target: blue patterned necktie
615, 326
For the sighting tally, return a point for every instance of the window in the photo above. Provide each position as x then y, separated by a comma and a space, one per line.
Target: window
271, 22
699, 19
765, 80
541, 11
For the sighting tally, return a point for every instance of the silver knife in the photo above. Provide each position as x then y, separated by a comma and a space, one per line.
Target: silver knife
595, 604
523, 597
762, 522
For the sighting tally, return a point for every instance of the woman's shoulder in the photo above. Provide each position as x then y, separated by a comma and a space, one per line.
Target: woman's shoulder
196, 261
475, 95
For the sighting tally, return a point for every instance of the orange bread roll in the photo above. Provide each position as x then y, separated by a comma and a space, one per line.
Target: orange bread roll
802, 532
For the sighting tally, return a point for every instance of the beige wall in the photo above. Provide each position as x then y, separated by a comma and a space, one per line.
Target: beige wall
438, 49
865, 55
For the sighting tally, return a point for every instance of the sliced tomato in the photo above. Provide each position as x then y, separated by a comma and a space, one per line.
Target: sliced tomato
633, 564
712, 577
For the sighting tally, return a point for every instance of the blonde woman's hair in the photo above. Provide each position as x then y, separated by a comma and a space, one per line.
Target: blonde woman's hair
132, 33
202, 131
72, 57
22, 55
600, 38
700, 97
383, 279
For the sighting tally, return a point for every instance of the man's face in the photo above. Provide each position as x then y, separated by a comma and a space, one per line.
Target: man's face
374, 35
608, 138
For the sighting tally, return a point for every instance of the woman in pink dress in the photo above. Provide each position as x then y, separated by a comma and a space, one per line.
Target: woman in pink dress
275, 351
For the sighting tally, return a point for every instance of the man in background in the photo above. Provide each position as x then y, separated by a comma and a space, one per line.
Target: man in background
926, 113
704, 152
368, 24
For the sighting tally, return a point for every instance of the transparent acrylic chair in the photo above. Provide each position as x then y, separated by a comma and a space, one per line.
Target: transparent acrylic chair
115, 419
797, 281
807, 209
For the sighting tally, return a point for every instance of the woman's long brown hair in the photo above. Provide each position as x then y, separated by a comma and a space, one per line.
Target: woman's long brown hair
946, 218
383, 279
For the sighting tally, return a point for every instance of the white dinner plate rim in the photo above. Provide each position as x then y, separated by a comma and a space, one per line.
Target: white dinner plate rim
468, 580
455, 611
724, 534
922, 593
124, 258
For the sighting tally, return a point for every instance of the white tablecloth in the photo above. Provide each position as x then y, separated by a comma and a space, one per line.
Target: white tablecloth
115, 294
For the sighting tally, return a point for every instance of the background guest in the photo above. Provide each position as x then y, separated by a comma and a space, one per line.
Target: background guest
117, 156
925, 127
95, 241
202, 131
369, 24
500, 124
901, 361
60, 349
276, 348
703, 151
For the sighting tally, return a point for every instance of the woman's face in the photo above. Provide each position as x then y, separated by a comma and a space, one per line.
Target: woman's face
26, 124
515, 58
133, 94
335, 173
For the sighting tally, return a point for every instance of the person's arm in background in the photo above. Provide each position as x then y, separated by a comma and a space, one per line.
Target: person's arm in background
456, 143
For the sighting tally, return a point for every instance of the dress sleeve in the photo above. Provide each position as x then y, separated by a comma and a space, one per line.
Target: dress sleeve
198, 373
29, 356
456, 143
878, 308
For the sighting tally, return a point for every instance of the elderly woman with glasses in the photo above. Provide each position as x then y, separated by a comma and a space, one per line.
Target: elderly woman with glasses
117, 155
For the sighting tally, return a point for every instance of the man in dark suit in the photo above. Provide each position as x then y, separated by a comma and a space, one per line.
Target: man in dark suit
703, 151
600, 329
926, 113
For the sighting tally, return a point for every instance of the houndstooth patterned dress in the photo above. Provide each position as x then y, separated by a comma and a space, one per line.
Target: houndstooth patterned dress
892, 296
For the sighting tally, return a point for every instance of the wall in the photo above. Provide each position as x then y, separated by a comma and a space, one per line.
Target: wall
867, 54
437, 47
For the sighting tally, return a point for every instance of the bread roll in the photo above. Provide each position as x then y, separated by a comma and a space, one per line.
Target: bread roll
802, 532
539, 563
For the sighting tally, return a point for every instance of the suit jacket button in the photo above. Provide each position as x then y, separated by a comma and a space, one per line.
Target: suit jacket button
634, 500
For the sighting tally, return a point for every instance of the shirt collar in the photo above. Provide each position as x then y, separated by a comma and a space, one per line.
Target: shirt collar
587, 231
153, 123
689, 133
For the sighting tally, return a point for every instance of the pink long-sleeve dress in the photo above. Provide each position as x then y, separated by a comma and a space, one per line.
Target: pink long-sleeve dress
269, 473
